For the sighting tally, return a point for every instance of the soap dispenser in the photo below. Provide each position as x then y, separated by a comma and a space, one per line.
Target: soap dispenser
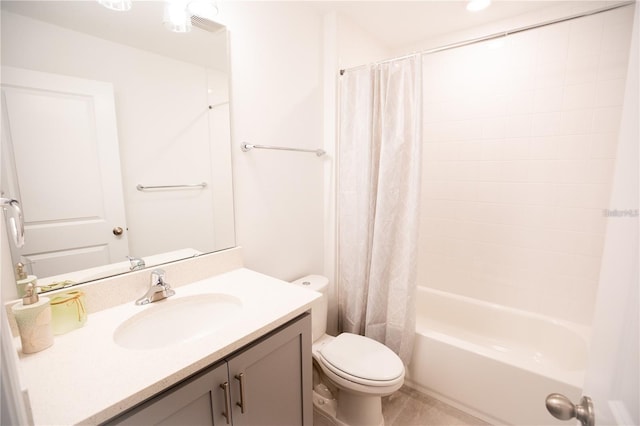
22, 279
33, 316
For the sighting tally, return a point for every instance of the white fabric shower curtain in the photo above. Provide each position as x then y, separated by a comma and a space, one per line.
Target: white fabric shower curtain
380, 145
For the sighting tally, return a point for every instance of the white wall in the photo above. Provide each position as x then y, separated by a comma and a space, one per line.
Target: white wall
356, 46
520, 143
276, 66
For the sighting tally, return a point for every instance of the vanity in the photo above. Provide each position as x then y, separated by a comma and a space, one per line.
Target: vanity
249, 365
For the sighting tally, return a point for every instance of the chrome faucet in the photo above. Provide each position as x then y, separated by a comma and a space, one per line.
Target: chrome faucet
136, 263
160, 289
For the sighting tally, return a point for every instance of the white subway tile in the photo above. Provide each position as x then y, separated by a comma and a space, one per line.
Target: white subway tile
448, 151
548, 124
543, 148
489, 192
553, 43
610, 93
520, 101
568, 171
592, 196
449, 111
577, 122
582, 69
516, 148
599, 171
579, 96
538, 216
429, 154
539, 194
550, 74
431, 111
462, 170
603, 145
522, 78
464, 191
573, 147
514, 171
587, 267
607, 120
541, 171
585, 35
519, 47
548, 99
470, 151
493, 128
488, 171
519, 126
491, 149
616, 32
517, 193
612, 65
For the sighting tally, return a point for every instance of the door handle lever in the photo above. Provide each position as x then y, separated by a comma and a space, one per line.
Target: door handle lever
16, 220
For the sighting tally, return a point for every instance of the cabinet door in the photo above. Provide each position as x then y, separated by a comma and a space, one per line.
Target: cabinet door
271, 380
197, 401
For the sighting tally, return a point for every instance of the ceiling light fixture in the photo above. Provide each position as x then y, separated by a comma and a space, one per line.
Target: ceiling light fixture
176, 16
476, 5
119, 5
179, 15
203, 8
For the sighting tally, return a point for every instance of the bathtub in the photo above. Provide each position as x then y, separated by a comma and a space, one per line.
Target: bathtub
492, 361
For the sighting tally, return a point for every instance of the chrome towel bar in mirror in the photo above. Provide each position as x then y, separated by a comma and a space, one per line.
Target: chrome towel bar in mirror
141, 187
248, 147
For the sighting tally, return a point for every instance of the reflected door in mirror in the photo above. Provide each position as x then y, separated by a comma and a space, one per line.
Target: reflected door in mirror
60, 135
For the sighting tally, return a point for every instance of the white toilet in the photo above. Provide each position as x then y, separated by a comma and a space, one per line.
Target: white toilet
351, 373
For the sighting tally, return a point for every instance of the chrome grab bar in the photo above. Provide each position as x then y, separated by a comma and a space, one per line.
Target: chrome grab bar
248, 147
141, 187
16, 220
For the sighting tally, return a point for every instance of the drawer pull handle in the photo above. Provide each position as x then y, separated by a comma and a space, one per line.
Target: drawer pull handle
241, 404
227, 402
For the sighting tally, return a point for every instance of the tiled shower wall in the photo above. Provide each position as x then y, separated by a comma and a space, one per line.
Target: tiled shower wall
520, 143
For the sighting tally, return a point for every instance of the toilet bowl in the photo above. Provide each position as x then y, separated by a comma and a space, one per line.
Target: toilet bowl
353, 372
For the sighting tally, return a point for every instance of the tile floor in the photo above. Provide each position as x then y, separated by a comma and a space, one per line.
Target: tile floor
408, 407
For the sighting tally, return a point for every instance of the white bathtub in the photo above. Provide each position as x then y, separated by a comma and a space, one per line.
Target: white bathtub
492, 361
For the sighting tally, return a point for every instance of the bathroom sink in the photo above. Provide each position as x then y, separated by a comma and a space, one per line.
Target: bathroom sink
177, 320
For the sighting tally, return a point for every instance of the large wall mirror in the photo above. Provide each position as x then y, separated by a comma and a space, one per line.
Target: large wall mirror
115, 138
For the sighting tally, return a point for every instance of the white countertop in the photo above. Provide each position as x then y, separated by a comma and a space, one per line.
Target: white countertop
86, 378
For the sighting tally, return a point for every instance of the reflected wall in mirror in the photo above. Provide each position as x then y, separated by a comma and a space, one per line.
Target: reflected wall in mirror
96, 103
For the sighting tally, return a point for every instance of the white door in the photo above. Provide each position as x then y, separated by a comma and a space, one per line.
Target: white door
61, 161
613, 375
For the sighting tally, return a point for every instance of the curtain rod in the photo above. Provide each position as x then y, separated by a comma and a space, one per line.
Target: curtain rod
498, 35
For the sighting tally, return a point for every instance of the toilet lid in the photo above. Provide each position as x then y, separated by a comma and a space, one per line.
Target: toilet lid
362, 357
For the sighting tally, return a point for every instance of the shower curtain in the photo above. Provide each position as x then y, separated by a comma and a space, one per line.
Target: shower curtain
380, 145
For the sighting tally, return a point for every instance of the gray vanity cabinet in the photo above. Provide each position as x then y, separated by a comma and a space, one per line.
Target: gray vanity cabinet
193, 402
269, 383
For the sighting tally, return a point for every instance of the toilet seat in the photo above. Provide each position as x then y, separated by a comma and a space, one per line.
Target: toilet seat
362, 360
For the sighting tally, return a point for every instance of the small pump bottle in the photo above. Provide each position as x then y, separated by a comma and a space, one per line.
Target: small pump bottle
22, 279
33, 316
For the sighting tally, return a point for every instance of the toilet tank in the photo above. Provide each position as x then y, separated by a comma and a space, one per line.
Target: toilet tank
319, 306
